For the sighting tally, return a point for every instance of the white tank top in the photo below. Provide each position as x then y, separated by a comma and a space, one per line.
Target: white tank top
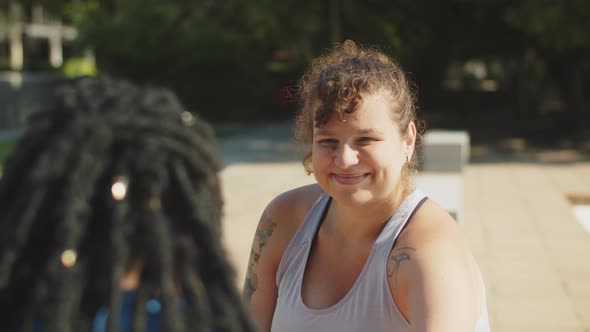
368, 306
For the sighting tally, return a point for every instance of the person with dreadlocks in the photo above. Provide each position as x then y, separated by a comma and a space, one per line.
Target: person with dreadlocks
110, 212
362, 249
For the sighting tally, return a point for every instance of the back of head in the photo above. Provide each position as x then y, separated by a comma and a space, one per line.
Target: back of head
113, 175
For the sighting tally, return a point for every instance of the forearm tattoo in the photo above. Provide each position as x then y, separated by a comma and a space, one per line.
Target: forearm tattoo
263, 233
397, 256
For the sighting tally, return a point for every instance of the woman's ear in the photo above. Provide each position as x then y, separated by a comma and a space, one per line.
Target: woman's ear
410, 139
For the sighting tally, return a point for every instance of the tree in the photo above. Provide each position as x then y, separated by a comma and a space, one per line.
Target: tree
217, 55
562, 31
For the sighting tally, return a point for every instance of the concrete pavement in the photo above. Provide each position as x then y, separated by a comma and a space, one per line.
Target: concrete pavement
534, 255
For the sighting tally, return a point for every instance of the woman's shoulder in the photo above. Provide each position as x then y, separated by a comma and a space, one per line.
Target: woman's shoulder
435, 234
291, 207
432, 262
432, 222
282, 218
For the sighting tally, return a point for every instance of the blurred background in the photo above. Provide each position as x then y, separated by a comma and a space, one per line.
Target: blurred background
502, 68
510, 76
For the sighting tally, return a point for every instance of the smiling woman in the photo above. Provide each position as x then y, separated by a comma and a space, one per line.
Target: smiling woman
358, 149
361, 249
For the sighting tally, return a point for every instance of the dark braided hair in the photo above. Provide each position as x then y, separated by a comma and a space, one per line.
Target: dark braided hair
111, 176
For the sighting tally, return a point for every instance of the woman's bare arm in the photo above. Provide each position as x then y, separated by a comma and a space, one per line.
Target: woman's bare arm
434, 278
279, 222
260, 289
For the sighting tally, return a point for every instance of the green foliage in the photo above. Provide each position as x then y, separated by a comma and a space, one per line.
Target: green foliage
214, 54
76, 67
377, 24
6, 148
557, 25
226, 58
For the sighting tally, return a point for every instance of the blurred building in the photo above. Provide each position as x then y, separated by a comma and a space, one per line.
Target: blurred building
30, 37
33, 46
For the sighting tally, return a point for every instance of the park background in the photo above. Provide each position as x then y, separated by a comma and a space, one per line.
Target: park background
513, 74
502, 68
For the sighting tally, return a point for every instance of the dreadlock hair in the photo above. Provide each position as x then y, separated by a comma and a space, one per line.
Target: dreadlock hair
112, 175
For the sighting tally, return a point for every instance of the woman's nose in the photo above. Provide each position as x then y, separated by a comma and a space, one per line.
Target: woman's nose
346, 156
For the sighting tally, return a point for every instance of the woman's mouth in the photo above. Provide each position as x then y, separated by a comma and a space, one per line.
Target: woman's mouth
349, 178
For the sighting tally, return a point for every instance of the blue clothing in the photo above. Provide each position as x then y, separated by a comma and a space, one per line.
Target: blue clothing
153, 309
100, 322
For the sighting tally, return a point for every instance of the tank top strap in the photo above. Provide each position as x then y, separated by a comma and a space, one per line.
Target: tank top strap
399, 220
305, 233
308, 229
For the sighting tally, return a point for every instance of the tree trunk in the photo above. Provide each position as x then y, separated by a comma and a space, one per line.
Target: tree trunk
335, 29
576, 104
522, 97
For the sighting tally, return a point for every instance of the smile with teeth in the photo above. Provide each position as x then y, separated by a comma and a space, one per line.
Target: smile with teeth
349, 178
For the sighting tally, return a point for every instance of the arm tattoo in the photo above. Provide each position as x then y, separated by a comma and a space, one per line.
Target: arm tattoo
263, 233
396, 257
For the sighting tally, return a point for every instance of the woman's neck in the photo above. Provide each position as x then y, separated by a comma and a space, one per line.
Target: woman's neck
362, 223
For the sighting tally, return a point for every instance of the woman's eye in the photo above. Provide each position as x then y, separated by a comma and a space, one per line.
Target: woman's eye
365, 140
327, 141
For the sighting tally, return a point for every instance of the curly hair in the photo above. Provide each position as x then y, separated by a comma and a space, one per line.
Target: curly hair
336, 83
112, 175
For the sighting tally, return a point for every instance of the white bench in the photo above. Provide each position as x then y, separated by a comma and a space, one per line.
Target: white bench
444, 155
445, 151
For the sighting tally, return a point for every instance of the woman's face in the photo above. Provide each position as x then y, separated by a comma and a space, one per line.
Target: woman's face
359, 160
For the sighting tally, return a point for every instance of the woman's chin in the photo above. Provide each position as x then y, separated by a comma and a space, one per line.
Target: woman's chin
349, 197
